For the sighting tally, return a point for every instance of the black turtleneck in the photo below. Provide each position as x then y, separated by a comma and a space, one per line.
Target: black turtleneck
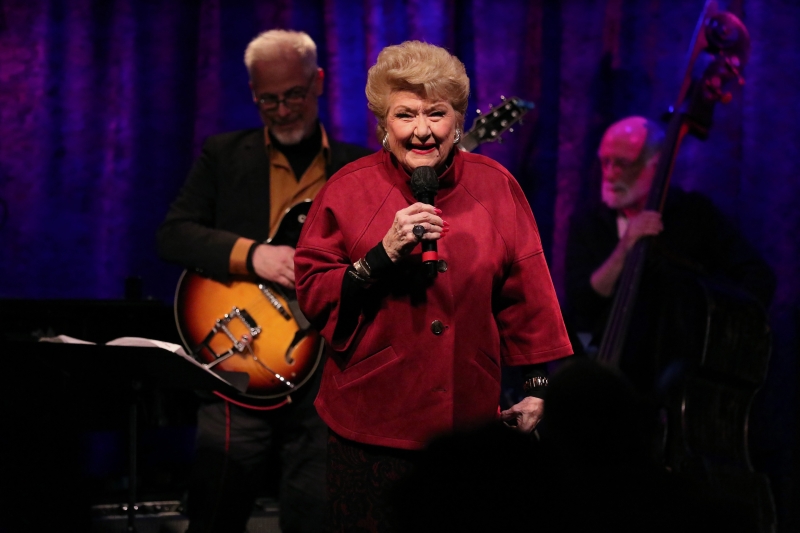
300, 155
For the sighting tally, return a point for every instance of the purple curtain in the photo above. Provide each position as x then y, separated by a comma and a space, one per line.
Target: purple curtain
104, 105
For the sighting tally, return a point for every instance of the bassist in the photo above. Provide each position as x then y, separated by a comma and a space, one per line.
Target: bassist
691, 233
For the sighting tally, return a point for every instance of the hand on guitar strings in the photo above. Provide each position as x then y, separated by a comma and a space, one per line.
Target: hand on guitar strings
275, 264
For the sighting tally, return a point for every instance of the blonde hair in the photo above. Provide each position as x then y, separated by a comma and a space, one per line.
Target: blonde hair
424, 69
272, 42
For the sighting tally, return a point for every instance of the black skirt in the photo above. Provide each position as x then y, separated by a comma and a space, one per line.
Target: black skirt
363, 485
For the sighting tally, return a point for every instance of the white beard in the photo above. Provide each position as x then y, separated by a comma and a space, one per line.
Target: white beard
616, 196
289, 137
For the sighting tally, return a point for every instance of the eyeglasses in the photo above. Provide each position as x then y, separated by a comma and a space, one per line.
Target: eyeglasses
625, 165
291, 98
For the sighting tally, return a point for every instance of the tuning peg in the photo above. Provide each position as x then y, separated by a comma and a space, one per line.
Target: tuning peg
477, 111
713, 87
499, 140
503, 98
733, 65
511, 130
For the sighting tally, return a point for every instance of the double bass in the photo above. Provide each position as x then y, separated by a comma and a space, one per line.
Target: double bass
710, 344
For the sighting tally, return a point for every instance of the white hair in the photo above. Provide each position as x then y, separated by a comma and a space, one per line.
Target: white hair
268, 43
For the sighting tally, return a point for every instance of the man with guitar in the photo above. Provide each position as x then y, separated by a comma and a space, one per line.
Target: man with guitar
692, 235
231, 204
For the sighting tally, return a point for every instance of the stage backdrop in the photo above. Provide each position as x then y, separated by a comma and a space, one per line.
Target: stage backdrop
104, 105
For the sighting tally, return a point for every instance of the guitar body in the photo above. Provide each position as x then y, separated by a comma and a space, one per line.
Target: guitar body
201, 301
251, 326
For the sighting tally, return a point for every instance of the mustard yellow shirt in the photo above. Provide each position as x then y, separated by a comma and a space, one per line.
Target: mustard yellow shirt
285, 190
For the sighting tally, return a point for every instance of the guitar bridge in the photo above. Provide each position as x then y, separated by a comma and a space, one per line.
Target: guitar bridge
237, 345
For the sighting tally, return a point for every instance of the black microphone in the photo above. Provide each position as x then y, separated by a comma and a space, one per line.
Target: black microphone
424, 185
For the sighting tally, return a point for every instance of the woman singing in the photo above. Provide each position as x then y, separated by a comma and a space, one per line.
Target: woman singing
415, 349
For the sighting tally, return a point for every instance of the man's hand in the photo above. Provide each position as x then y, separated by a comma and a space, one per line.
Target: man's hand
525, 415
644, 224
275, 264
604, 279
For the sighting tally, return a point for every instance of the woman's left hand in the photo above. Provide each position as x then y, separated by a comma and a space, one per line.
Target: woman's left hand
525, 415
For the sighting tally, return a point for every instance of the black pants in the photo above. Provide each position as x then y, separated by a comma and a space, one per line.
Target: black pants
233, 447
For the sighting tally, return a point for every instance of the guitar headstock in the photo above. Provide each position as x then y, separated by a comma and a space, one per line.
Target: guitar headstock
488, 127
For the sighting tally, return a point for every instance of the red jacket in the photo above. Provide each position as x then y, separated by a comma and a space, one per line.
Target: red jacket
393, 381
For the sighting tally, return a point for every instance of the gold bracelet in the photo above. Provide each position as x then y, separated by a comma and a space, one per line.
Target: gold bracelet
363, 268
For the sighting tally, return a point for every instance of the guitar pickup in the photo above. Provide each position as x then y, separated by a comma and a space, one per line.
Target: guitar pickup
248, 321
273, 300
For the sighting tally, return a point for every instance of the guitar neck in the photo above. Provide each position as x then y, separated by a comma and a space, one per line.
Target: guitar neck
489, 127
468, 143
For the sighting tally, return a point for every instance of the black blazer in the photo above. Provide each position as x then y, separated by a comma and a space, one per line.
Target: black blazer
226, 196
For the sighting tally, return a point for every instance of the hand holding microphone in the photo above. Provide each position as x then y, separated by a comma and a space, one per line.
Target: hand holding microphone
419, 222
424, 185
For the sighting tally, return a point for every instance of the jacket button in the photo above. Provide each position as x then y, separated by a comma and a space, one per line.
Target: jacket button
437, 327
441, 266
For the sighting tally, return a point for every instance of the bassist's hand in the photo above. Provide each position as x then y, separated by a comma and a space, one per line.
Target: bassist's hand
644, 224
275, 264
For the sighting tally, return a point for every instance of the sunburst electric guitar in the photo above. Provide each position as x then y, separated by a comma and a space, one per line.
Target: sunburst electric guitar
256, 327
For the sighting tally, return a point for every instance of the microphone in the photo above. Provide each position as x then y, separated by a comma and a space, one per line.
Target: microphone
424, 185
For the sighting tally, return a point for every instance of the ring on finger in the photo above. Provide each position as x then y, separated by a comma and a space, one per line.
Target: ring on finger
418, 231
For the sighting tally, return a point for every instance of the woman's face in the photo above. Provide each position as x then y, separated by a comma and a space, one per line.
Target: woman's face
421, 132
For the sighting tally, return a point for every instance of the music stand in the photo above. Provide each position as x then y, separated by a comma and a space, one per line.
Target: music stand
136, 368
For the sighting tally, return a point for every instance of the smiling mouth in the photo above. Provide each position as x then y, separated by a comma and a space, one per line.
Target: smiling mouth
423, 149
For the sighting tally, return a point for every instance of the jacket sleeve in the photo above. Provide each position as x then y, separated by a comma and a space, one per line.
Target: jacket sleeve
187, 236
526, 307
321, 261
